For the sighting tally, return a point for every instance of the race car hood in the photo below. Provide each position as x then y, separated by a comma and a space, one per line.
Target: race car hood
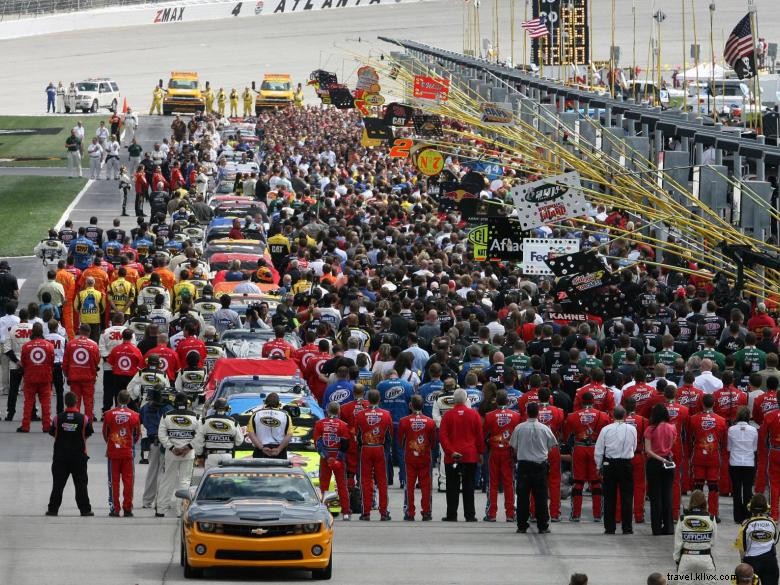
254, 511
243, 403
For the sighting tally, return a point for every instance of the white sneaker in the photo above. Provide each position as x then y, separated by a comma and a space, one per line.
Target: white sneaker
346, 518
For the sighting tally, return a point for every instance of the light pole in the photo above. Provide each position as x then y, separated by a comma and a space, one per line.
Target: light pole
659, 17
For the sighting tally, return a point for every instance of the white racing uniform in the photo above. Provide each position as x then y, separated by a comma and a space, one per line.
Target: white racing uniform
146, 380
178, 428
191, 382
50, 250
694, 538
217, 437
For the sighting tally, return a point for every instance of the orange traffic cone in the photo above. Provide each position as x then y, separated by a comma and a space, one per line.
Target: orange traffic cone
124, 106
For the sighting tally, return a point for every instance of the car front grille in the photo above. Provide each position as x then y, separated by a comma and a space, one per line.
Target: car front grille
258, 555
245, 530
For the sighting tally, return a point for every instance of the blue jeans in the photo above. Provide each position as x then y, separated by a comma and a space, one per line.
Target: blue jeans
50, 104
395, 453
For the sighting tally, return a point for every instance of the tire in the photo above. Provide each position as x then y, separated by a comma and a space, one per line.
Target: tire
189, 571
94, 107
114, 105
166, 111
324, 574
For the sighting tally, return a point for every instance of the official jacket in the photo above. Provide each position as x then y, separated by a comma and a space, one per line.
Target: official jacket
178, 428
218, 433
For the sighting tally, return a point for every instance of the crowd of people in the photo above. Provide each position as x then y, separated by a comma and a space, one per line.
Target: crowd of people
421, 356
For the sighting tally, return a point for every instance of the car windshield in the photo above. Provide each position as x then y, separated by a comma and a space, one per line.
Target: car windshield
183, 84
291, 487
251, 386
730, 90
216, 265
244, 343
275, 86
87, 86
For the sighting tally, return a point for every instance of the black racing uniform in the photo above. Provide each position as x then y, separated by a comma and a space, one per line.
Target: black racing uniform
70, 430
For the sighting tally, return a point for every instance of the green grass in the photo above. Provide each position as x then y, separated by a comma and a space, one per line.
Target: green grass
39, 150
30, 207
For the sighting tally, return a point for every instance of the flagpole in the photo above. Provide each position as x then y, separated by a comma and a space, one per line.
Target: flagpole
512, 32
612, 77
756, 87
633, 70
712, 58
525, 36
684, 60
696, 59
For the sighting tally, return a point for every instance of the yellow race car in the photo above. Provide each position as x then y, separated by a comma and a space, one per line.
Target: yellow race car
256, 513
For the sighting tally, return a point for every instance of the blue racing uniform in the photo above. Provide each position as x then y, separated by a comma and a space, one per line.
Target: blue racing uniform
82, 249
396, 394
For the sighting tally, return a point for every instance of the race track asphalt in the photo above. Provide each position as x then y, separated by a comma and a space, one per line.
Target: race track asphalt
231, 53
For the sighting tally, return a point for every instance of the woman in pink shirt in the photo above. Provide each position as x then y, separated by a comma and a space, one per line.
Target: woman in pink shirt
660, 437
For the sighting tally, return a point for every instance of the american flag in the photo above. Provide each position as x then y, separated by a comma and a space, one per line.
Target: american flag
537, 27
740, 42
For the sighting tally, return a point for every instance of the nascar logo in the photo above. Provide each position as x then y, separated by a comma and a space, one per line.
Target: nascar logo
219, 425
38, 356
182, 421
269, 421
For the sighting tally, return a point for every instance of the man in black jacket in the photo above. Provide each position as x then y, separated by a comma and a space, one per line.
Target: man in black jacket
70, 430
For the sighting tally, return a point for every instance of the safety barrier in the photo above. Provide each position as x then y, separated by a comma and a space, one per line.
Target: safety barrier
171, 13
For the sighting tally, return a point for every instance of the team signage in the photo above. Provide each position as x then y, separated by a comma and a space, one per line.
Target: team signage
549, 200
536, 251
431, 88
500, 239
497, 114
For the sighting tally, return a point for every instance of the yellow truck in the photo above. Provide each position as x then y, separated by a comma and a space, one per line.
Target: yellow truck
183, 94
276, 91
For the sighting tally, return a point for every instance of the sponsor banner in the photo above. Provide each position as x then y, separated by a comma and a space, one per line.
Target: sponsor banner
497, 114
431, 88
549, 200
499, 239
169, 13
536, 251
398, 114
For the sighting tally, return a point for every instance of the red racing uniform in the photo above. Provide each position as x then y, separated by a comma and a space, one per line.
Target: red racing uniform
689, 396
277, 348
169, 361
498, 427
707, 440
727, 401
762, 406
125, 359
312, 374
332, 436
121, 431
37, 363
188, 344
584, 426
348, 412
522, 403
374, 428
302, 354
80, 364
645, 397
603, 400
638, 466
769, 460
417, 437
553, 417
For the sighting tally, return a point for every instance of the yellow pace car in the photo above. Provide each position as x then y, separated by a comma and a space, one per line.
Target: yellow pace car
256, 513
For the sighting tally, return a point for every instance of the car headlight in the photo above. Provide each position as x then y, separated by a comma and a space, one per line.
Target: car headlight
207, 527
311, 528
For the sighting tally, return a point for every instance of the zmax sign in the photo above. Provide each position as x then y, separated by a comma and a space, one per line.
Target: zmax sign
173, 14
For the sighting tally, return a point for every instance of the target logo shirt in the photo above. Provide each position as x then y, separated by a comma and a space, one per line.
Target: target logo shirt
38, 361
81, 360
125, 359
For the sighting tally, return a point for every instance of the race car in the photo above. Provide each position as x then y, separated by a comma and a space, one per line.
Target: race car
256, 513
248, 343
225, 245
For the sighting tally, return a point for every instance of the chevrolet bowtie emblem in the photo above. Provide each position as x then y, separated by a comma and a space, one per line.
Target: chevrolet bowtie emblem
259, 531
